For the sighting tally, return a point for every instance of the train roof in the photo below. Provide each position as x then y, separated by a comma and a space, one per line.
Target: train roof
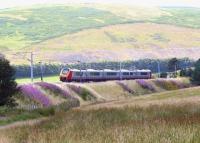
109, 70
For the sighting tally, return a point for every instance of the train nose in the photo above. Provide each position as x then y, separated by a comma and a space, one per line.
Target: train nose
69, 76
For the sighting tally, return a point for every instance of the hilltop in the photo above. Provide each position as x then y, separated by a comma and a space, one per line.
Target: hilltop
98, 32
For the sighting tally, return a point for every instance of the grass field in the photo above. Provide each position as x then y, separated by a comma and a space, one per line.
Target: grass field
35, 99
26, 26
168, 121
123, 42
52, 79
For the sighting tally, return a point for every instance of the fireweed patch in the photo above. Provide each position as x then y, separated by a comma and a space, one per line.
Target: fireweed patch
54, 88
82, 92
171, 84
125, 87
145, 84
34, 93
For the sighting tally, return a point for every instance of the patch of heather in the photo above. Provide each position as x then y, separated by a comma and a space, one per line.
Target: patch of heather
54, 88
166, 84
171, 84
180, 84
145, 84
125, 87
76, 89
34, 93
82, 92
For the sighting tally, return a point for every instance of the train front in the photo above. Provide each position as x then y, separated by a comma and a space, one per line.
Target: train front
66, 75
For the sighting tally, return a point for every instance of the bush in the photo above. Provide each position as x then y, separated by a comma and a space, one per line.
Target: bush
163, 75
186, 72
46, 111
8, 86
196, 74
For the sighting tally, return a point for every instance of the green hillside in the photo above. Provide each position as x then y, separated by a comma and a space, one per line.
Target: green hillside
186, 17
32, 28
23, 27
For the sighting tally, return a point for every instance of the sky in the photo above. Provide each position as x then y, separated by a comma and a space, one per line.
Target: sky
22, 3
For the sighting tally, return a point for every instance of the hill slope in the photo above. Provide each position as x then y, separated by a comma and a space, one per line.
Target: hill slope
43, 94
123, 42
41, 29
171, 116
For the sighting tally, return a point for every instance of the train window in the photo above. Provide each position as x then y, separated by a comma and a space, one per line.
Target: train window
78, 73
133, 73
144, 73
111, 73
95, 73
125, 73
65, 71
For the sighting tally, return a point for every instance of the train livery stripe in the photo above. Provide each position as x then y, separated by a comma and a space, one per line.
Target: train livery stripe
69, 75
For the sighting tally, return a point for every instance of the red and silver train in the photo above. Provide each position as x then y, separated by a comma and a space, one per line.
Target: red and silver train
69, 75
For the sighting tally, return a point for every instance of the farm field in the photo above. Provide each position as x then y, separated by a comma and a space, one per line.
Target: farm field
166, 115
98, 33
51, 79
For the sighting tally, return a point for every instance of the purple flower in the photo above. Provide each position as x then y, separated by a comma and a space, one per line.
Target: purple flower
84, 93
145, 84
54, 88
171, 84
35, 94
180, 84
125, 87
77, 89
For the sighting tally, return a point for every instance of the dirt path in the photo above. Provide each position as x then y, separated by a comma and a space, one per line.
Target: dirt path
23, 123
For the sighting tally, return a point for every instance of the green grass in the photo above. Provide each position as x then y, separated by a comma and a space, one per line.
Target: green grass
51, 79
42, 23
11, 115
186, 17
47, 29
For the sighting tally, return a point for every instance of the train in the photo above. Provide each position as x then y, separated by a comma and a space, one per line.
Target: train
75, 75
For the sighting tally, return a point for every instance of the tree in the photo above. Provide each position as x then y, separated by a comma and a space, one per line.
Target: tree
173, 64
196, 74
8, 86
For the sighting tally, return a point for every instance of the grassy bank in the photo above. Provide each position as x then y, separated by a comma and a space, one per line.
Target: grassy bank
177, 123
165, 122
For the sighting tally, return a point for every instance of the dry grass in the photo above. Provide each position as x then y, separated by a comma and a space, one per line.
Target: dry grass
109, 90
124, 42
174, 123
191, 95
167, 117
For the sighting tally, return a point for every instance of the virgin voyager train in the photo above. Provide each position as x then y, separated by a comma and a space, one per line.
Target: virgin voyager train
69, 75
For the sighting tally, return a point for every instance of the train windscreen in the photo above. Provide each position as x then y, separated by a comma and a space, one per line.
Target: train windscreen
65, 71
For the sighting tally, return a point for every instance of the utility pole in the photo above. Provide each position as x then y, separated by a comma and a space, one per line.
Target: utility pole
31, 60
175, 71
186, 62
120, 70
80, 70
28, 59
41, 70
158, 63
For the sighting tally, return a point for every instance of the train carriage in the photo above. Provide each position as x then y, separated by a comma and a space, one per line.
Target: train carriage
69, 75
